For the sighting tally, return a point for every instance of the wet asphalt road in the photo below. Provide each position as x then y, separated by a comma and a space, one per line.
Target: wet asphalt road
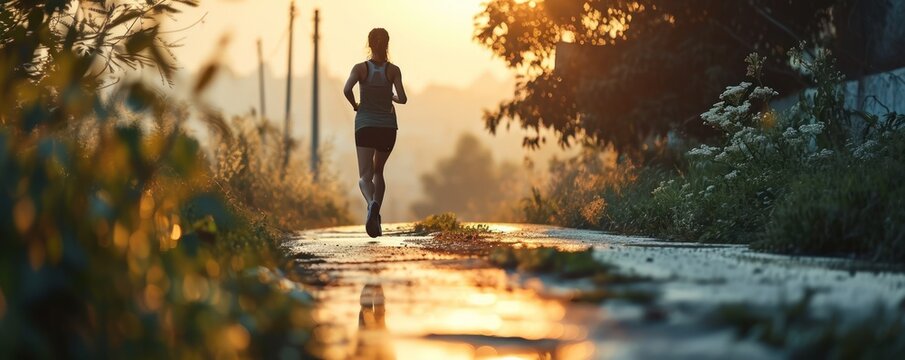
397, 298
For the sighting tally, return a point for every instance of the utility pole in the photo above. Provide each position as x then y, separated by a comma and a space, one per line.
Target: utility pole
261, 80
315, 97
286, 129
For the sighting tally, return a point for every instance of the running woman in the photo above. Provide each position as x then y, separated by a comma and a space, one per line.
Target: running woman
375, 121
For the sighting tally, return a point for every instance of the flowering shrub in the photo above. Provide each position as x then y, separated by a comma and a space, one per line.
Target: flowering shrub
816, 178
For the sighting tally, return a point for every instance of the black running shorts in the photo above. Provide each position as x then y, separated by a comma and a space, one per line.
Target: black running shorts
379, 138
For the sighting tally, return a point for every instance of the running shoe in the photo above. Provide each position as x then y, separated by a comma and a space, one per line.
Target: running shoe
372, 224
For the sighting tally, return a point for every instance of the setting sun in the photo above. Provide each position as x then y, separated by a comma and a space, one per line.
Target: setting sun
432, 40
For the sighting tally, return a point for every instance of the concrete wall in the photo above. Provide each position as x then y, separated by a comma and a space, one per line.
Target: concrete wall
878, 94
889, 45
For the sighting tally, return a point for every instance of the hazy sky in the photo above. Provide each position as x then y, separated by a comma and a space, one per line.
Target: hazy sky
430, 39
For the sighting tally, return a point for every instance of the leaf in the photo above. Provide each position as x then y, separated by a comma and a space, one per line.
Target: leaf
141, 40
192, 3
166, 8
206, 77
128, 15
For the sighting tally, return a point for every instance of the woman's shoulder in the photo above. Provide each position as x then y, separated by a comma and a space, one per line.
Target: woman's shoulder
393, 67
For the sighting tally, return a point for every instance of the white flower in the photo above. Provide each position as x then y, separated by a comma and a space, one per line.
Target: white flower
820, 155
790, 133
716, 115
721, 156
711, 188
867, 150
734, 91
703, 150
740, 110
732, 175
811, 129
763, 93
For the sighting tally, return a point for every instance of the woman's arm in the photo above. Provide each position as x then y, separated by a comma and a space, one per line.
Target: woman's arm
400, 97
347, 90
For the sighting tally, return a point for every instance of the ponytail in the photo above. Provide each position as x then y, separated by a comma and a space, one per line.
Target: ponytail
379, 43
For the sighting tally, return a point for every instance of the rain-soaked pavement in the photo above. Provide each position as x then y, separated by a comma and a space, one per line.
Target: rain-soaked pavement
395, 297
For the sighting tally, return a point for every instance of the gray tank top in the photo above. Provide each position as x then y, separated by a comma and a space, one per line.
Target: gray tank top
376, 92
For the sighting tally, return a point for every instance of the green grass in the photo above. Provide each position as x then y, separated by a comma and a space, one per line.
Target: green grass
796, 329
447, 225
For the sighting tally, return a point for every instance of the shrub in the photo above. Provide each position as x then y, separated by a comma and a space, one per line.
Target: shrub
249, 170
116, 239
848, 207
812, 179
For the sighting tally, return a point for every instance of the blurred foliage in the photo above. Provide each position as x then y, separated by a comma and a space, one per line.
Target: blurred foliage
815, 179
635, 70
472, 185
249, 170
804, 333
118, 241
55, 42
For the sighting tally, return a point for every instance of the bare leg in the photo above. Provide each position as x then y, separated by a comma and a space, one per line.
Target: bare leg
380, 186
366, 173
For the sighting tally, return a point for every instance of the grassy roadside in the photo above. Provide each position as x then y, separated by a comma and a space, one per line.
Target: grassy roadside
137, 254
123, 237
816, 179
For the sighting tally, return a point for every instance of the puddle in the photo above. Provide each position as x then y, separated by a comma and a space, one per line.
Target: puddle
422, 305
403, 297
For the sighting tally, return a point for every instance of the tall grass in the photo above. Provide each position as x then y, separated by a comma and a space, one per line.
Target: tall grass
249, 170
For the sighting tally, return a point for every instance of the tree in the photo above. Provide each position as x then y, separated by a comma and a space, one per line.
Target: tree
52, 49
469, 183
620, 72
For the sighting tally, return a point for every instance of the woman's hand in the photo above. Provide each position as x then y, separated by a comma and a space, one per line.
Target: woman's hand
347, 89
400, 97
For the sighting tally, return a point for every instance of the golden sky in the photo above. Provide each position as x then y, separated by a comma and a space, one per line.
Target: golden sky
431, 40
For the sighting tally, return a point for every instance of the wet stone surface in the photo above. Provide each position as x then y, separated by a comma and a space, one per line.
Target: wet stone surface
403, 297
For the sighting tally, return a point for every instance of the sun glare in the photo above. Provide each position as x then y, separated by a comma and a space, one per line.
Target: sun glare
425, 36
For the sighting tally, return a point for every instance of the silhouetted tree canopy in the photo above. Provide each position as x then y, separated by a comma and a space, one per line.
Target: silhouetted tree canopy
52, 49
629, 70
469, 183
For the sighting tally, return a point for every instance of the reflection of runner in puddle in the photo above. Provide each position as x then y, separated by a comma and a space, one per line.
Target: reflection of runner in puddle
373, 339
